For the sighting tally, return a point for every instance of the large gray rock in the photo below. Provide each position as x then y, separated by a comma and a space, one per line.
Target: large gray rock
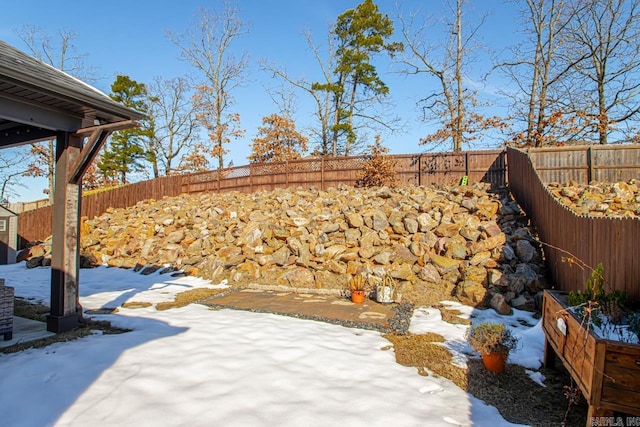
525, 251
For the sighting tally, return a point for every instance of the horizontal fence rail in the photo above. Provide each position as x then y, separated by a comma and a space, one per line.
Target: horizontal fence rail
322, 173
565, 235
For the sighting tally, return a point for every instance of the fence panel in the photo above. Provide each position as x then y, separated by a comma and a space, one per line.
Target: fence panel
322, 173
611, 241
586, 163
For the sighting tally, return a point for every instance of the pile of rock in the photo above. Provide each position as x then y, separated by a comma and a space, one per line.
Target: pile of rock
612, 200
474, 244
37, 255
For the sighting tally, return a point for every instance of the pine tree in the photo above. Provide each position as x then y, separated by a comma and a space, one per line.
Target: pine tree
124, 152
360, 33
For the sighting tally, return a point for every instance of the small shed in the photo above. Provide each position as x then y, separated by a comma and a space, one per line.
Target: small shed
8, 236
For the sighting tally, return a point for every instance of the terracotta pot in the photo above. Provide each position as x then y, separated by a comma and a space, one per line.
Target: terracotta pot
357, 297
495, 362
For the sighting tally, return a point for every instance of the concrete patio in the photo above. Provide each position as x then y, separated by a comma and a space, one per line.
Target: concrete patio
26, 330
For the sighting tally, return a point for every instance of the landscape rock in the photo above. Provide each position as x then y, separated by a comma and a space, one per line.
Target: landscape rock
500, 305
598, 199
525, 251
465, 240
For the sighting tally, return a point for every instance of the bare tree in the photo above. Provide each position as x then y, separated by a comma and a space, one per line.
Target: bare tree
207, 46
607, 33
284, 97
60, 53
14, 163
328, 134
447, 63
321, 132
172, 114
540, 68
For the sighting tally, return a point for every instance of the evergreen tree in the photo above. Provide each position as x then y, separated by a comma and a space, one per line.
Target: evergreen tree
124, 152
360, 33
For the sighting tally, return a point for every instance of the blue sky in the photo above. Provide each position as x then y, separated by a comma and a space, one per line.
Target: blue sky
128, 37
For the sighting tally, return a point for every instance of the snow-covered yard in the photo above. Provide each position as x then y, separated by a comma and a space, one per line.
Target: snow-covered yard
201, 367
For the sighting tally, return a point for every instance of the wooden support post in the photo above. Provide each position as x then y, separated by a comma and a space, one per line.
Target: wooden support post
549, 355
65, 310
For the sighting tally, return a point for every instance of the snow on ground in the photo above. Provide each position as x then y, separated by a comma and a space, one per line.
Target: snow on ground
197, 366
522, 324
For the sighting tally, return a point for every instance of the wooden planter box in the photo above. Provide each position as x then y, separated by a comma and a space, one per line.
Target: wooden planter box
607, 372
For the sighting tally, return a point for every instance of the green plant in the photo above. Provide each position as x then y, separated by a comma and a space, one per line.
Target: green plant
593, 289
490, 337
595, 303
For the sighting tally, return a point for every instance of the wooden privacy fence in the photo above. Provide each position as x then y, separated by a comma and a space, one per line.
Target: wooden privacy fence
20, 207
612, 241
325, 172
37, 224
586, 163
322, 173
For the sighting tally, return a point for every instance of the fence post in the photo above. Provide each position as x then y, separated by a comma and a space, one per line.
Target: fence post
286, 173
322, 173
466, 163
590, 164
419, 169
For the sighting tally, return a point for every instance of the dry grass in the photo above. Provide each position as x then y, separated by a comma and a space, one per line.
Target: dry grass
427, 294
424, 351
136, 304
451, 316
518, 398
34, 310
187, 297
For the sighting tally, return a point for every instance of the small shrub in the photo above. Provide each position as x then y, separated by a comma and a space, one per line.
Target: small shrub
595, 303
593, 289
378, 169
490, 337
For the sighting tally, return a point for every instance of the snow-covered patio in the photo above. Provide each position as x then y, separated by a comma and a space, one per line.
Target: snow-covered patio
196, 366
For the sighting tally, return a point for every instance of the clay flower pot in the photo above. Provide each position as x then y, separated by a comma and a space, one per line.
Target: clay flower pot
495, 362
357, 297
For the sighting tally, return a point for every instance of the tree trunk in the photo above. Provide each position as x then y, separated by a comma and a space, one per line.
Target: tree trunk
352, 102
457, 142
603, 117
